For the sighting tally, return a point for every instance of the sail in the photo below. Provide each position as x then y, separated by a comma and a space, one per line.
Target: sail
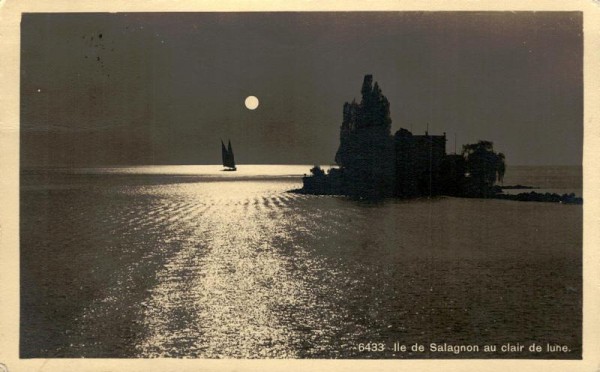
224, 154
227, 154
231, 159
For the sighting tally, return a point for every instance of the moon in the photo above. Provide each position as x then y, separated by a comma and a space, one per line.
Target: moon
251, 102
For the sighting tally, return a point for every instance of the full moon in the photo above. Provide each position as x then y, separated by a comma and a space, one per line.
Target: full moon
251, 102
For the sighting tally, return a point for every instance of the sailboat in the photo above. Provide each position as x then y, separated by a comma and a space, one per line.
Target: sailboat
228, 160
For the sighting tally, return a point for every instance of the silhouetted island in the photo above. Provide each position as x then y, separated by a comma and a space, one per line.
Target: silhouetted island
375, 164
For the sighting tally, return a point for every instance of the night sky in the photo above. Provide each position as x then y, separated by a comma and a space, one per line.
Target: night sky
164, 88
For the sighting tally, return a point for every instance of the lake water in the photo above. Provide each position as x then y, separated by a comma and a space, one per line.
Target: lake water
189, 261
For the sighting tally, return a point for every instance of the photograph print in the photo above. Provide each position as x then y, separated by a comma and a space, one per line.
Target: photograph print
301, 185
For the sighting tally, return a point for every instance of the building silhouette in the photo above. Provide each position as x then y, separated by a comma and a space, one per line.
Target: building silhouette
373, 162
418, 163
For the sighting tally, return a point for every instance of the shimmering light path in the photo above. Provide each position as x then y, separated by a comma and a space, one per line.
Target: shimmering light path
228, 290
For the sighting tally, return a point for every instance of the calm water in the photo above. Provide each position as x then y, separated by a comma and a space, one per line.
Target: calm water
188, 261
557, 179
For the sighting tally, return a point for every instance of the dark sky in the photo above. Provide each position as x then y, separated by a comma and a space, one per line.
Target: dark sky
163, 88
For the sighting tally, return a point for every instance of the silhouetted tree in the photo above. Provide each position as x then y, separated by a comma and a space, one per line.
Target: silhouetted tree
366, 153
317, 171
484, 167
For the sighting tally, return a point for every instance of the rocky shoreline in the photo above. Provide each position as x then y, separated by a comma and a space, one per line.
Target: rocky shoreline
539, 197
531, 196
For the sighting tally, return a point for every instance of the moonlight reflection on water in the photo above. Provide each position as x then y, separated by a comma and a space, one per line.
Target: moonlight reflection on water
228, 290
